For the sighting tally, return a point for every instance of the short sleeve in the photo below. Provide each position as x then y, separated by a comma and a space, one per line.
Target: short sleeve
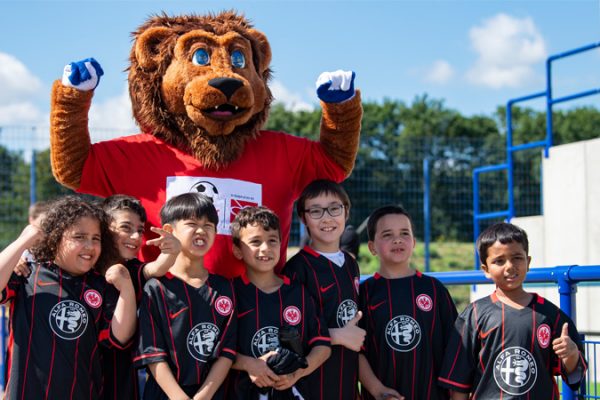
458, 368
106, 337
316, 329
152, 347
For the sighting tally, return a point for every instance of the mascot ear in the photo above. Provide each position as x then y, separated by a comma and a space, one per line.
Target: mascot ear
263, 47
147, 47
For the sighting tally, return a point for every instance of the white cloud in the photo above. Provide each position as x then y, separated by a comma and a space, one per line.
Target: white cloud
17, 82
21, 113
508, 48
291, 101
112, 117
440, 72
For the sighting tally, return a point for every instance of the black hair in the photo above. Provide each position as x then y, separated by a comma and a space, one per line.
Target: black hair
381, 212
188, 206
319, 187
349, 241
502, 232
123, 202
262, 216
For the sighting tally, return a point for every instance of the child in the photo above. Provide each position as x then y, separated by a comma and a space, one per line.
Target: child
187, 317
267, 303
331, 276
64, 308
127, 219
511, 344
408, 315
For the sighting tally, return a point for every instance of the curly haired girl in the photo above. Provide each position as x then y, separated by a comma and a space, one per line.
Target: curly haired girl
64, 308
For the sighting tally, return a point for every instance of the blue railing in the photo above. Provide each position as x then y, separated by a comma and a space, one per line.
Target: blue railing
509, 213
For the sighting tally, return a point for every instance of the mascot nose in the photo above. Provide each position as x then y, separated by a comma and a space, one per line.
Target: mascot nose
227, 86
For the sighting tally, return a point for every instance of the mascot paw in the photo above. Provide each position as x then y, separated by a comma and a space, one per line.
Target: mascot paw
335, 87
82, 75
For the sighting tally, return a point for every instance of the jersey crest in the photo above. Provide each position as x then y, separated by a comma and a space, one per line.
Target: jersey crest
201, 340
543, 335
292, 315
515, 371
424, 302
265, 340
402, 333
356, 284
223, 305
92, 298
346, 311
68, 319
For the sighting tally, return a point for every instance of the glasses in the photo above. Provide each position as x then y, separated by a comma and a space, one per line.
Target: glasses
333, 210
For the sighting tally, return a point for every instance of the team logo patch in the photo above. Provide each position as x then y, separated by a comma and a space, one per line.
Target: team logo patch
68, 319
292, 315
201, 341
238, 205
265, 340
345, 312
424, 302
515, 371
223, 305
356, 283
402, 333
543, 335
93, 298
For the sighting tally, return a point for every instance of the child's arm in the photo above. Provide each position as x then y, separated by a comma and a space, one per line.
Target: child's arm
124, 318
350, 336
258, 371
169, 247
317, 356
458, 395
370, 382
12, 253
566, 349
214, 379
167, 382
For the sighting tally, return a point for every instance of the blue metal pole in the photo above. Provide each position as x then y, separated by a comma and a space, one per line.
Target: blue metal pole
566, 290
426, 213
509, 161
32, 178
548, 106
475, 216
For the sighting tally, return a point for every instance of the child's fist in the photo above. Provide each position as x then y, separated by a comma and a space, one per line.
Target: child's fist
166, 242
32, 234
22, 268
564, 347
118, 276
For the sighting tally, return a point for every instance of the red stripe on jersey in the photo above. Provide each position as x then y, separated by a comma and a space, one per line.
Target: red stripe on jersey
190, 313
75, 368
310, 251
316, 280
462, 335
9, 351
320, 338
337, 283
54, 338
234, 300
389, 300
280, 307
162, 293
460, 385
414, 351
35, 286
533, 328
230, 351
149, 355
304, 313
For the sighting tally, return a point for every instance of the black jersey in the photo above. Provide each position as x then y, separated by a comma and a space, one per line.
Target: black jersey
120, 378
187, 327
335, 292
500, 352
260, 315
58, 322
408, 322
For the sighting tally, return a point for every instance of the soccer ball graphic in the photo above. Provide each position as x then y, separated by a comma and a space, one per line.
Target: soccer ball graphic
206, 188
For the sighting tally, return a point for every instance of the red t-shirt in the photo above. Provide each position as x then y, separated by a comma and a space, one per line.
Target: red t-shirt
272, 171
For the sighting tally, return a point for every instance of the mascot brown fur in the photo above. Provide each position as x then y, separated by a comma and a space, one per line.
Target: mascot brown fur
201, 122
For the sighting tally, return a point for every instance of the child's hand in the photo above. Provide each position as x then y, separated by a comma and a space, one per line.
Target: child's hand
118, 276
564, 347
22, 269
351, 335
260, 374
386, 393
287, 381
166, 242
32, 234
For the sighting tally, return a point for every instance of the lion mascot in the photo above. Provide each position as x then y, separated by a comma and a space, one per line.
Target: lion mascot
199, 92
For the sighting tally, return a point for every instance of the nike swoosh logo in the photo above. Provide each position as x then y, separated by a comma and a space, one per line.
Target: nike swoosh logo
240, 315
175, 315
44, 283
371, 308
483, 335
326, 288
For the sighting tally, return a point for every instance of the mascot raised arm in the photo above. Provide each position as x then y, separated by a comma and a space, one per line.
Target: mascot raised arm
199, 92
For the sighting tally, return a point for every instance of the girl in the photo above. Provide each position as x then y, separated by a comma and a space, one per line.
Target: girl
332, 278
64, 309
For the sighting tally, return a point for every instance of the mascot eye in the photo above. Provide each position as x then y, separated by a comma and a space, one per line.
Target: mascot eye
237, 59
201, 57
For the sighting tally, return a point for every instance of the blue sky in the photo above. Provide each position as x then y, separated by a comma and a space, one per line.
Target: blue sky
473, 54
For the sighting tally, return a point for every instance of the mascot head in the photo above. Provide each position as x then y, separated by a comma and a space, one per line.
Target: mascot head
200, 83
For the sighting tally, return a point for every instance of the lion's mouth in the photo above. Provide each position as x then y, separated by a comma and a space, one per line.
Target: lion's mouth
223, 111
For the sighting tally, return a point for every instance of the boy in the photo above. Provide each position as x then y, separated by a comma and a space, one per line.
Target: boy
127, 219
187, 317
331, 276
266, 304
408, 316
510, 344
